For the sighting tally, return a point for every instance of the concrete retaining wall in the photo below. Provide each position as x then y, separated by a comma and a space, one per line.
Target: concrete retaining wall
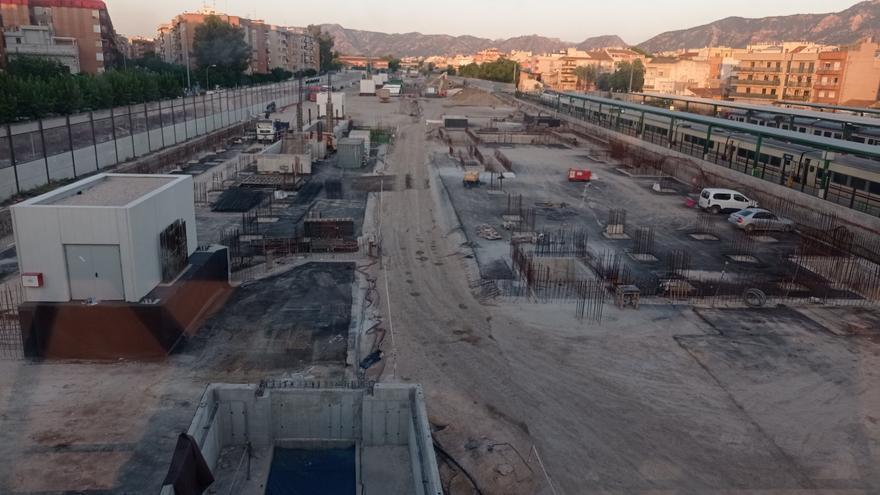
390, 415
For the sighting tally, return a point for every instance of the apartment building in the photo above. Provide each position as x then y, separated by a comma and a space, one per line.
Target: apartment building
678, 76
776, 72
140, 46
165, 47
848, 76
271, 46
86, 21
40, 42
362, 62
559, 70
487, 56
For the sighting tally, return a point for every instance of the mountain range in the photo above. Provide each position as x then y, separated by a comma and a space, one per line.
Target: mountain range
862, 20
848, 26
371, 43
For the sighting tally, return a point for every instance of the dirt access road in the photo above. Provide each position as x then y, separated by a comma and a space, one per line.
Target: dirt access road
442, 335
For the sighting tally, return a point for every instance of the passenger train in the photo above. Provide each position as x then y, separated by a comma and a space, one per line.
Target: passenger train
850, 180
806, 125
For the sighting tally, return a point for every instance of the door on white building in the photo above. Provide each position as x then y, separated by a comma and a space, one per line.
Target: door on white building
94, 272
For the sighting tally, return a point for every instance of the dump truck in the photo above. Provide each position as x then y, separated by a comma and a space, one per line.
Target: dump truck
270, 130
471, 179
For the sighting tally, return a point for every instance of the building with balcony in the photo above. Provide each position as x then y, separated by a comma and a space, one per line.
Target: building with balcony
289, 48
848, 76
140, 46
776, 72
85, 21
38, 41
362, 62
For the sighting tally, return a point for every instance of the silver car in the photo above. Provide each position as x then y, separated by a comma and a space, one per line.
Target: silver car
752, 219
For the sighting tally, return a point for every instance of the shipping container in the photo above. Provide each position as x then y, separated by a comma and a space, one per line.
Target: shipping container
338, 104
368, 87
394, 89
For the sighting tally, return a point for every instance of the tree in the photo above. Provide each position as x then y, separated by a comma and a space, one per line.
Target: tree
393, 63
620, 80
39, 67
587, 76
220, 47
329, 58
500, 70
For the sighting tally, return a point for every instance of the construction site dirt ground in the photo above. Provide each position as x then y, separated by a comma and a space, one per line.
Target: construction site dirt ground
525, 397
541, 185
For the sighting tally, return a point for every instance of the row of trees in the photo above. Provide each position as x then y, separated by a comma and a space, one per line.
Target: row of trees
35, 87
625, 76
501, 70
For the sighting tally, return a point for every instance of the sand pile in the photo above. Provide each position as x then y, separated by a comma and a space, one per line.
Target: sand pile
473, 97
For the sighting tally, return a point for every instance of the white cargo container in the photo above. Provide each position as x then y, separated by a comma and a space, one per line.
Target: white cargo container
338, 103
393, 89
368, 87
365, 135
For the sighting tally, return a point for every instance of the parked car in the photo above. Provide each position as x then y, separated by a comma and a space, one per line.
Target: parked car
724, 200
752, 219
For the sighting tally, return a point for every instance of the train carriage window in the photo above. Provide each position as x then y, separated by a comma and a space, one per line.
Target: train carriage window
775, 161
856, 183
838, 135
839, 178
857, 139
802, 129
827, 134
817, 132
874, 187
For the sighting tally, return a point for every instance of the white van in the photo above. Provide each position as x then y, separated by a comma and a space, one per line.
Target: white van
724, 200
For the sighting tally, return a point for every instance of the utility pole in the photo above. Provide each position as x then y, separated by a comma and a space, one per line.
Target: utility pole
186, 58
329, 115
299, 107
632, 70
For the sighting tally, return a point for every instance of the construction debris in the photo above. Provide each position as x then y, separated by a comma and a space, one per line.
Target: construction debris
488, 232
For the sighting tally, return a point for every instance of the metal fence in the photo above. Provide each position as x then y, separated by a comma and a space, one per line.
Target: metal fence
11, 345
35, 153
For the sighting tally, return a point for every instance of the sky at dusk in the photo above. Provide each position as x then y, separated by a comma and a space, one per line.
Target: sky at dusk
571, 20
